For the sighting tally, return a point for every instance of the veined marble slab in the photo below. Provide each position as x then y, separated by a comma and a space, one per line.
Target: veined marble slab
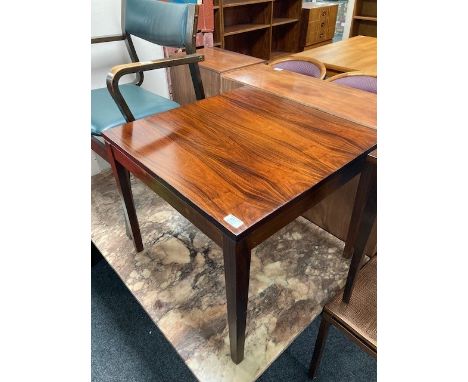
179, 281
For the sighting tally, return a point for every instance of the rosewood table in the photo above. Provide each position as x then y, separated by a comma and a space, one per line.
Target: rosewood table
239, 166
334, 212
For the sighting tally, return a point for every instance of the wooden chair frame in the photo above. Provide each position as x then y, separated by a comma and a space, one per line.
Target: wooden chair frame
360, 227
350, 74
319, 64
331, 316
327, 320
136, 67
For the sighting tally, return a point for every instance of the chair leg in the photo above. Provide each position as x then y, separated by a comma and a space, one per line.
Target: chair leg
363, 228
99, 148
319, 346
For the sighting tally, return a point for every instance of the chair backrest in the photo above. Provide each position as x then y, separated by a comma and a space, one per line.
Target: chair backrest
301, 65
162, 23
362, 81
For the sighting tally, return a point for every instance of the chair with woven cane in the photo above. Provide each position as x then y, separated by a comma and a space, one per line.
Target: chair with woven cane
302, 65
357, 80
161, 23
356, 319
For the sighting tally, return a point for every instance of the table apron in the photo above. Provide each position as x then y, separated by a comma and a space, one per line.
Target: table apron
286, 214
261, 231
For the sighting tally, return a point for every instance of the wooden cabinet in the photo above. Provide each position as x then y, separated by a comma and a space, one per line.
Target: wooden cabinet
364, 19
217, 61
317, 24
260, 28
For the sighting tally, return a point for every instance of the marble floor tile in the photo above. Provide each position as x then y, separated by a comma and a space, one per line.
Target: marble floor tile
179, 281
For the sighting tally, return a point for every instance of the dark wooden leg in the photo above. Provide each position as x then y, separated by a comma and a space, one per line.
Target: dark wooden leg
197, 81
96, 255
319, 346
236, 273
122, 177
359, 202
128, 231
360, 232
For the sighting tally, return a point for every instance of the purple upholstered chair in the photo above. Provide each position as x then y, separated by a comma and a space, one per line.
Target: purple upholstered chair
302, 65
357, 80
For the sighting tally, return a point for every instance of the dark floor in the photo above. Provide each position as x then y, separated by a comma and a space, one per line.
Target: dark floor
127, 346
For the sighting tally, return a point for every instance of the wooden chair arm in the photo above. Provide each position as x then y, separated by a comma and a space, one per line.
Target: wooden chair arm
134, 67
119, 71
98, 40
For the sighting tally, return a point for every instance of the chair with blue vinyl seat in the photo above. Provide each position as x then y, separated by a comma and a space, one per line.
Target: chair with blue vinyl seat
162, 23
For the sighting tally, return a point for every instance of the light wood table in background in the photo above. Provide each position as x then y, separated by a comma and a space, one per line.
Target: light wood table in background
356, 53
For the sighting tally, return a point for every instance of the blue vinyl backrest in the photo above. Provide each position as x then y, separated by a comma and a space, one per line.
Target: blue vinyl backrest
163, 23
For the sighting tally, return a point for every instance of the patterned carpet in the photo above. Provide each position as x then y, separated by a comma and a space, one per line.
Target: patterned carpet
179, 281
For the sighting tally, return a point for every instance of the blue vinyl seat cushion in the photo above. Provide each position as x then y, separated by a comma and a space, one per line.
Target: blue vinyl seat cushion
142, 103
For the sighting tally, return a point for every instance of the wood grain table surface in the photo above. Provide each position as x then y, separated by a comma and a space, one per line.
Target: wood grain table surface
356, 53
239, 166
344, 102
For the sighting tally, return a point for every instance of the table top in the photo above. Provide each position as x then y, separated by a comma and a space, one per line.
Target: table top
220, 60
356, 53
344, 102
240, 156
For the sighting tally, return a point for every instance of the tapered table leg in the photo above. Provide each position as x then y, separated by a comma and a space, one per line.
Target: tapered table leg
364, 215
319, 346
236, 272
122, 178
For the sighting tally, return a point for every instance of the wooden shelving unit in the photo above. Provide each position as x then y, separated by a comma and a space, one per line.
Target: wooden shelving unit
364, 20
260, 28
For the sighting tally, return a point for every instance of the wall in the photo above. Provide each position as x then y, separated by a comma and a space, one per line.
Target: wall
105, 20
349, 18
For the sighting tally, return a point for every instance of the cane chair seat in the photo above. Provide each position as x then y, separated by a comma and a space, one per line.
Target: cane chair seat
359, 316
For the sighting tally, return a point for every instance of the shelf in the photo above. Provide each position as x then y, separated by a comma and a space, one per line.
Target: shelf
367, 18
237, 3
282, 21
242, 28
